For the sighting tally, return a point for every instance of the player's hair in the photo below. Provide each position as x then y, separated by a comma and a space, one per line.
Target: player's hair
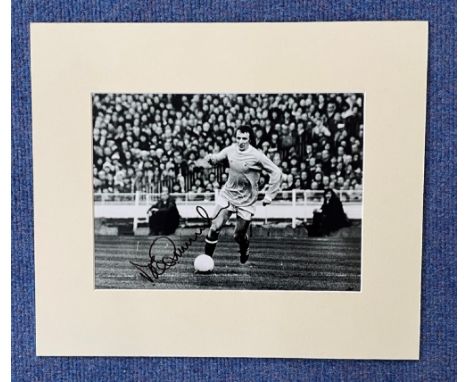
248, 129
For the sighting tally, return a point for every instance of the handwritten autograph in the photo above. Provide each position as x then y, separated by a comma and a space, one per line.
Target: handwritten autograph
156, 268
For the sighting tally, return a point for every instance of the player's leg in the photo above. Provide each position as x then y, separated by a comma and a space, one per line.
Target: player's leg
242, 238
221, 216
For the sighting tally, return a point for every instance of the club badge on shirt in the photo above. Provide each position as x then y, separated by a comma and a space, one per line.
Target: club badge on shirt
248, 164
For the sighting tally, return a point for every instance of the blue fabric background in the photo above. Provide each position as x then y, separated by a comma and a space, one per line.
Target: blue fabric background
438, 337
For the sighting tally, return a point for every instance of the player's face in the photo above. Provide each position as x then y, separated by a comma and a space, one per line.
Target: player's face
242, 140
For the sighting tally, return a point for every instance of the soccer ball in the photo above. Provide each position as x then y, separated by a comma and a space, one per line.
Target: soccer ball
203, 263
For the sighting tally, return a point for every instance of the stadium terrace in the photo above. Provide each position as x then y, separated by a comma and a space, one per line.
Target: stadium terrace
142, 142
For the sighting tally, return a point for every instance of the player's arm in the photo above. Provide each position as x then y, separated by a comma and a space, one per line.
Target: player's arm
275, 173
214, 159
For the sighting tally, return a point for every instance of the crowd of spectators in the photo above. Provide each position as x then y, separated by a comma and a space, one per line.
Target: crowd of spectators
143, 142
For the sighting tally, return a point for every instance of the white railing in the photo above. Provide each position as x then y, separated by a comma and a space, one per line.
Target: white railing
288, 205
296, 196
141, 198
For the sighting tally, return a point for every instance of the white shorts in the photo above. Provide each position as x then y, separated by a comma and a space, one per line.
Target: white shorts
244, 212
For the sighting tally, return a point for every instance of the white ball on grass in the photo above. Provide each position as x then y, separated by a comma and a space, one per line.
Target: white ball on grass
203, 263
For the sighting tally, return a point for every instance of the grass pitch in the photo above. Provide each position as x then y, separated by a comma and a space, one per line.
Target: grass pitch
316, 264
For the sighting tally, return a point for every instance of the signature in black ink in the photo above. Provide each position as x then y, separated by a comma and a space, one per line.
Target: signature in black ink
156, 268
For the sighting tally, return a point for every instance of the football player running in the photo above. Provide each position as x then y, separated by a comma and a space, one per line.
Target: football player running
240, 192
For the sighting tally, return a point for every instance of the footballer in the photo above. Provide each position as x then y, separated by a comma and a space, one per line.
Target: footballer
240, 192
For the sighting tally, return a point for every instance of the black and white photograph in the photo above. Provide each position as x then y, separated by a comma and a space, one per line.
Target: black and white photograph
228, 191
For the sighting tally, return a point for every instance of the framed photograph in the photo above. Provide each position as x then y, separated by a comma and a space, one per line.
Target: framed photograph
267, 186
264, 181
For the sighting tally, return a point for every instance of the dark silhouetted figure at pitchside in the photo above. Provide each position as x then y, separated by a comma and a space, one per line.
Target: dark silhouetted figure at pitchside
330, 217
164, 216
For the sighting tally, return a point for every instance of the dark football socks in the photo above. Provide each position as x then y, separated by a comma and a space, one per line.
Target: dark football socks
210, 242
244, 249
